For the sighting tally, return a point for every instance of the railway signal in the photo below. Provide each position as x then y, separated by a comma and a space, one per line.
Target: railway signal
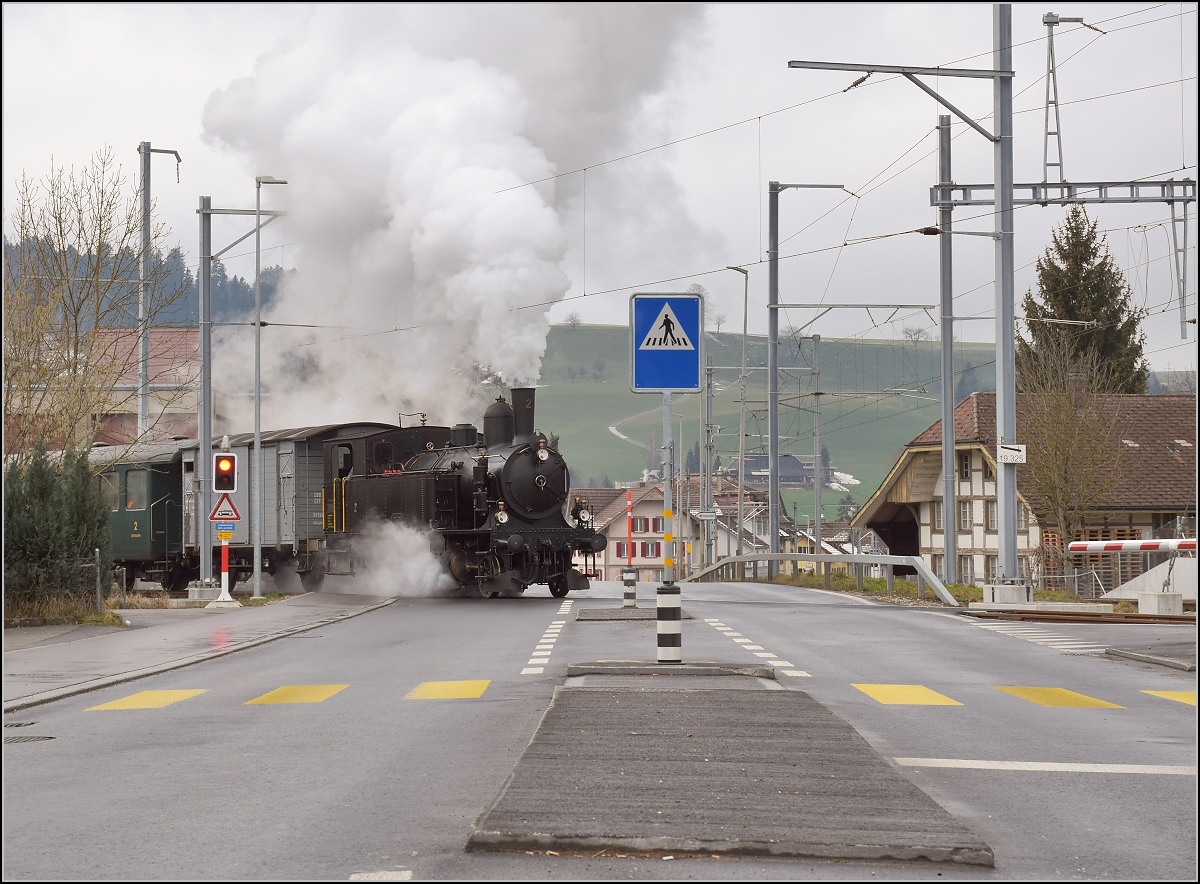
224, 472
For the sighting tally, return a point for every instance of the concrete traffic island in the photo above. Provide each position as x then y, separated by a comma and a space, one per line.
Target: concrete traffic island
713, 771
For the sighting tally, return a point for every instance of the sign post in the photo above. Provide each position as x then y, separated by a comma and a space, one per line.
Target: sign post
222, 517
666, 351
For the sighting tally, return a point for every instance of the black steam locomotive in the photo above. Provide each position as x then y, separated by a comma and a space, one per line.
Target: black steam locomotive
496, 504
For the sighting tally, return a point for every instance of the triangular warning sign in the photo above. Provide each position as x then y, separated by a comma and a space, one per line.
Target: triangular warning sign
224, 511
666, 333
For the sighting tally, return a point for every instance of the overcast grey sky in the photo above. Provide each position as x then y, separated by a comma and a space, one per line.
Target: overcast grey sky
402, 127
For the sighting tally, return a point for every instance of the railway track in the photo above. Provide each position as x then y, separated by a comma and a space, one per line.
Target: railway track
1082, 617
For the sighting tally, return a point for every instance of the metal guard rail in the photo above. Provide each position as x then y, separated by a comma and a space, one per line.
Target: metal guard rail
916, 562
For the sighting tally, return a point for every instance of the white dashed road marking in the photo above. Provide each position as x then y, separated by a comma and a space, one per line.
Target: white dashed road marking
768, 657
545, 646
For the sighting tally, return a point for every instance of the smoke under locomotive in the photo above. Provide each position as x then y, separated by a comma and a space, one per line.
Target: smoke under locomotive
496, 502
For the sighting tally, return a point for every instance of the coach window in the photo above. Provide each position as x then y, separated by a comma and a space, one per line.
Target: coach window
135, 489
381, 456
109, 491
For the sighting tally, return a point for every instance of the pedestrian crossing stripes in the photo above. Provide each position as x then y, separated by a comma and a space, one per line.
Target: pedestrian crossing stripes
147, 700
304, 693
883, 693
1038, 635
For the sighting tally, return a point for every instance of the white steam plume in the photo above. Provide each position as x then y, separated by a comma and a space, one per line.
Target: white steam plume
395, 127
394, 560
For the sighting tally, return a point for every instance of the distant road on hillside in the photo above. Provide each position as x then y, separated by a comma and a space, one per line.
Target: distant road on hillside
614, 428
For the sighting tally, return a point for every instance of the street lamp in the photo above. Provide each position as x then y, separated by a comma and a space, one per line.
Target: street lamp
742, 419
256, 465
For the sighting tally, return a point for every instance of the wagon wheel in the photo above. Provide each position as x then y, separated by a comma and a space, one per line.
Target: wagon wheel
558, 586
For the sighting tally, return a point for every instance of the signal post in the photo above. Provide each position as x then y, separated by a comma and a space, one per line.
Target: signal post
224, 515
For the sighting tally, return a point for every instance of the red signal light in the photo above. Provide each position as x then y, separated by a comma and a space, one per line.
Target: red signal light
224, 473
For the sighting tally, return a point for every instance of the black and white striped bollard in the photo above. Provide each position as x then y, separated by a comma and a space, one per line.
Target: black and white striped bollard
629, 575
670, 624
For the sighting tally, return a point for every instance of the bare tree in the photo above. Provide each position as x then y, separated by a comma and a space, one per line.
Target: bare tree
1180, 383
719, 320
1067, 420
573, 319
696, 289
71, 292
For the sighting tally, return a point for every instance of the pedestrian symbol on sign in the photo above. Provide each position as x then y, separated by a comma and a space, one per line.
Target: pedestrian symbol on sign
666, 333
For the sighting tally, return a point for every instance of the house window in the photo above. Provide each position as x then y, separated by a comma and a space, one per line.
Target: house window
939, 566
1023, 567
964, 466
620, 551
135, 489
988, 473
992, 514
1022, 517
641, 524
993, 568
938, 519
651, 549
964, 515
966, 569
656, 525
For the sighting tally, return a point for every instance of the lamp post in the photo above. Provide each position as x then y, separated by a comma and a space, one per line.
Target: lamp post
742, 419
257, 463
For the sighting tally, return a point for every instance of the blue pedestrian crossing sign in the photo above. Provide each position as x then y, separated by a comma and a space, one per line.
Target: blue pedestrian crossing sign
666, 340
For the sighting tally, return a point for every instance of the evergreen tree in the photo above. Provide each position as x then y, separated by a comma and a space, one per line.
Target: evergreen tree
1078, 281
54, 518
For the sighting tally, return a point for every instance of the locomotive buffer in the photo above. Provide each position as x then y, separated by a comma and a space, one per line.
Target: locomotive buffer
666, 351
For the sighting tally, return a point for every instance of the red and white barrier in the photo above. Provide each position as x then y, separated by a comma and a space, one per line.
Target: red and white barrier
1095, 546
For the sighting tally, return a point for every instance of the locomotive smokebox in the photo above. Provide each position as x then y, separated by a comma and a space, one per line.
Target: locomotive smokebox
498, 424
523, 413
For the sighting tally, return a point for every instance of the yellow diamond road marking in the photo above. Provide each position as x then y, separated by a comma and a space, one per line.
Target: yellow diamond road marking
302, 693
906, 695
1058, 697
448, 690
147, 700
1188, 697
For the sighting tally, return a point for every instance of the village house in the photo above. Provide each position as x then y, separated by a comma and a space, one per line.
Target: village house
1153, 495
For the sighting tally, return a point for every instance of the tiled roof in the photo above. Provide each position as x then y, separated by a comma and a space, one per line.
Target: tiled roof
1158, 470
609, 503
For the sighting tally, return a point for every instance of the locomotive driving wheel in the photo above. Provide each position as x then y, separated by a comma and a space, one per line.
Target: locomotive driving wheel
486, 592
558, 586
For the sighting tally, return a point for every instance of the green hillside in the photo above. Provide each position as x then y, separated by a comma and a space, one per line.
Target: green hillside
584, 388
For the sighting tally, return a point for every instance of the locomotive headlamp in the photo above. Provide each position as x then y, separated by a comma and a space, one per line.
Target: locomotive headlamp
502, 517
543, 455
585, 516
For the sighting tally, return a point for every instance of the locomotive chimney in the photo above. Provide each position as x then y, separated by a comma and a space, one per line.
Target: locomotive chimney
522, 403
